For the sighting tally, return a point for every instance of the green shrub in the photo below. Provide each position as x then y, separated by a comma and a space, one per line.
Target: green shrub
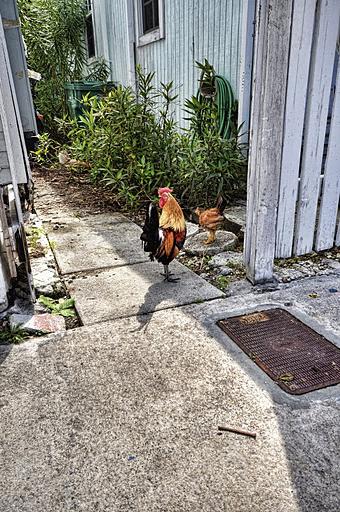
133, 146
53, 31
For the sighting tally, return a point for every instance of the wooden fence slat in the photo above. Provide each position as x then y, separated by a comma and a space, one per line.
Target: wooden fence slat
331, 181
252, 181
299, 60
315, 124
268, 107
337, 240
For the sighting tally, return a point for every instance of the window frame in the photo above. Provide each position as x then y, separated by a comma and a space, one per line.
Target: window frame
89, 15
152, 35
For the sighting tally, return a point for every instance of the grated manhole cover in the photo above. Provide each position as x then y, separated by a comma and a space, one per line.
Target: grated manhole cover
296, 357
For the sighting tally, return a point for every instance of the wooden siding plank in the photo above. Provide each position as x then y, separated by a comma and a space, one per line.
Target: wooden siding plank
131, 43
315, 124
301, 44
3, 160
268, 111
10, 116
5, 173
331, 181
246, 62
9, 123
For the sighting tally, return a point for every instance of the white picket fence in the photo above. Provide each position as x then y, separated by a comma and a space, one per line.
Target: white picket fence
310, 184
294, 163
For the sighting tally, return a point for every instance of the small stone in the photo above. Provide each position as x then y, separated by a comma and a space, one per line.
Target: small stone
192, 229
235, 218
224, 258
38, 323
227, 271
224, 241
335, 265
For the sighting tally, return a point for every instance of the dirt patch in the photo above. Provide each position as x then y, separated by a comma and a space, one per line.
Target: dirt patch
80, 192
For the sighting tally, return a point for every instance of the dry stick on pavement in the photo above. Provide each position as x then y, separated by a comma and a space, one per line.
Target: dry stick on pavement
237, 431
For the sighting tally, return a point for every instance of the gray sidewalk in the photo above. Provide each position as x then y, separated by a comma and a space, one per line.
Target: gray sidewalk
122, 414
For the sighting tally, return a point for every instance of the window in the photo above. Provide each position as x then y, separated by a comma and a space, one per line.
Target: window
91, 50
149, 21
150, 15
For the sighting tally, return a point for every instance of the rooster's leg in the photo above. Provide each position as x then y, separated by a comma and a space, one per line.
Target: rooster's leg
167, 275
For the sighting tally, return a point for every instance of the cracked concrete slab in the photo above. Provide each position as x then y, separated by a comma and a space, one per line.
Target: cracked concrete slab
123, 416
136, 289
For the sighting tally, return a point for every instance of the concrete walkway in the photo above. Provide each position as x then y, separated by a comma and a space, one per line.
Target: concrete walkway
122, 414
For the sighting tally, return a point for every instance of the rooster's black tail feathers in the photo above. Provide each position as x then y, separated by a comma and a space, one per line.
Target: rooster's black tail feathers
150, 235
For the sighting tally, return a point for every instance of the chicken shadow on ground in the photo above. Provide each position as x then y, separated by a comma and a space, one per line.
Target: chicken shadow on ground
152, 299
4, 352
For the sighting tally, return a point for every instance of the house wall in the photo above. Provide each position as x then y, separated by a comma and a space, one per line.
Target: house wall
194, 30
17, 59
5, 172
14, 170
111, 37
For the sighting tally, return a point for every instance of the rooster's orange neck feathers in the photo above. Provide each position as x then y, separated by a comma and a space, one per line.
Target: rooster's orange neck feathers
172, 215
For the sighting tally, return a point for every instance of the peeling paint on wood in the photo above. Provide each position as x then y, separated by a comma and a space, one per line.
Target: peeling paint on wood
271, 62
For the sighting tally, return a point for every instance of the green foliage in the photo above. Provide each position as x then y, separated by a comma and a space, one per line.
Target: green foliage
47, 149
222, 282
202, 110
98, 70
13, 335
53, 31
63, 307
34, 240
211, 166
132, 144
213, 110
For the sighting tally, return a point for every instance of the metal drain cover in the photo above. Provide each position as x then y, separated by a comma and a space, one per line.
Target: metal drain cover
296, 357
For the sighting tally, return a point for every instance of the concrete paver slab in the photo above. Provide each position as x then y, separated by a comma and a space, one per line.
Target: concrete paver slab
57, 220
81, 246
136, 289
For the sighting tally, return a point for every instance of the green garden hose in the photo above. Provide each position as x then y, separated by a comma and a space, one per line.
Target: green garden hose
224, 99
225, 104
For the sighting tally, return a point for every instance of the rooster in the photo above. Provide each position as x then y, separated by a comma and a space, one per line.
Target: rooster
211, 219
163, 237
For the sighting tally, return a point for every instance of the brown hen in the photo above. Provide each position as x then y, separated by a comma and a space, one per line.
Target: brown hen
211, 219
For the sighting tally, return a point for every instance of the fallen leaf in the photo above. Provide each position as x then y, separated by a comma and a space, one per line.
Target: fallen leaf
286, 377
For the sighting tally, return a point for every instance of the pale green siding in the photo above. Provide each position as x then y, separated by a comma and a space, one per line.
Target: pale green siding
194, 30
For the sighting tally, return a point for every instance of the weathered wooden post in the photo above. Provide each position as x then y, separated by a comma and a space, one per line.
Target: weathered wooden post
270, 69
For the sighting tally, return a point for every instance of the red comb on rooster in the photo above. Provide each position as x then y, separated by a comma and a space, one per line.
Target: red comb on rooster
163, 237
